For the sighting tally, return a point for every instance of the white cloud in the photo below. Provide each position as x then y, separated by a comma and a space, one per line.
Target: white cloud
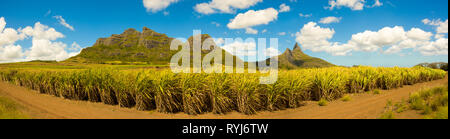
40, 31
377, 4
157, 5
314, 37
438, 47
271, 52
75, 47
395, 39
282, 33
330, 19
248, 49
419, 34
44, 46
414, 38
438, 36
215, 23
305, 15
9, 36
370, 41
251, 31
253, 18
426, 21
219, 41
240, 48
224, 6
284, 8
264, 31
441, 27
355, 5
63, 22
9, 53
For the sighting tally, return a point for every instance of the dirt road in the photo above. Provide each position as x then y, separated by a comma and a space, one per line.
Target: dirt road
362, 106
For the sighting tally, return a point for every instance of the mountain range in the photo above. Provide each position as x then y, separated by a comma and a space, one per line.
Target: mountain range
150, 47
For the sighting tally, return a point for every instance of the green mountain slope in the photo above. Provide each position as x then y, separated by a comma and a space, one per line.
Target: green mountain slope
132, 46
150, 47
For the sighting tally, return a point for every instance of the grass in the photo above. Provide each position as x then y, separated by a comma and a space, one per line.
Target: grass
389, 111
441, 113
323, 102
164, 91
388, 115
346, 98
10, 110
376, 92
431, 103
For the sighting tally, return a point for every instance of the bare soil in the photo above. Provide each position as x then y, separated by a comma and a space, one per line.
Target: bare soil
361, 106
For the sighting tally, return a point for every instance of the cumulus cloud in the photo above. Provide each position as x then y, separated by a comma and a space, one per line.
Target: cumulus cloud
248, 49
305, 15
44, 44
271, 52
395, 39
251, 31
8, 37
282, 33
157, 5
438, 47
253, 18
314, 38
240, 48
330, 19
355, 5
284, 8
370, 41
441, 27
419, 34
224, 6
10, 53
42, 32
63, 22
219, 41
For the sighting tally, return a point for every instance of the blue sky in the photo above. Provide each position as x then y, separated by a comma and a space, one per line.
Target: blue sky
92, 19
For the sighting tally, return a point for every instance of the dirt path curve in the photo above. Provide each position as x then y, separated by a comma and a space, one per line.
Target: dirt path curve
362, 106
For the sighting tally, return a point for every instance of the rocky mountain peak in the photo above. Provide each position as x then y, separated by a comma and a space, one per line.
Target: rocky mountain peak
297, 48
133, 38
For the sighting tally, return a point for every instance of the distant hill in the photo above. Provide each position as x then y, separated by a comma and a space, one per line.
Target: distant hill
133, 47
150, 47
292, 59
